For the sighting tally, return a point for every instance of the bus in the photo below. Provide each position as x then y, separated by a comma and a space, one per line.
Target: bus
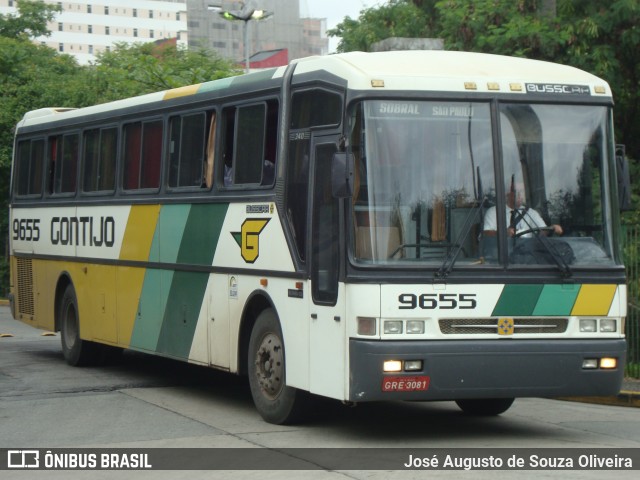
322, 228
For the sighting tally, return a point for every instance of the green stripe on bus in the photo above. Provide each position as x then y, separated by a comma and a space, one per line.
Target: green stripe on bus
170, 300
517, 300
201, 233
168, 234
151, 309
216, 85
556, 300
187, 290
181, 315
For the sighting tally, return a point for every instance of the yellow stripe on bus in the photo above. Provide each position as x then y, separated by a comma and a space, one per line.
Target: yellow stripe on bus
138, 236
136, 244
181, 92
594, 300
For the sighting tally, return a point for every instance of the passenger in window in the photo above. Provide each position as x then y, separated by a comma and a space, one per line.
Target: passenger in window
268, 172
228, 176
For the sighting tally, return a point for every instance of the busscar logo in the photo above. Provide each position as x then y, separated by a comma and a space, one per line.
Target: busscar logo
558, 89
23, 459
248, 238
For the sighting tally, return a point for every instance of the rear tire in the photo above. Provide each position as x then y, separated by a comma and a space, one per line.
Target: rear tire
77, 352
485, 407
275, 401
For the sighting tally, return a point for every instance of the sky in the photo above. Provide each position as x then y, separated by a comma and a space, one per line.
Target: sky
335, 11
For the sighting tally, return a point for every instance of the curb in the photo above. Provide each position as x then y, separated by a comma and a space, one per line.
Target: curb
625, 398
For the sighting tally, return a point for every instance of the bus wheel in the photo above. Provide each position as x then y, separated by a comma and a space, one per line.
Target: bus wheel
485, 406
77, 352
275, 402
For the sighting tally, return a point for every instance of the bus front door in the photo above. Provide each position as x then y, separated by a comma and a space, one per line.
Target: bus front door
327, 305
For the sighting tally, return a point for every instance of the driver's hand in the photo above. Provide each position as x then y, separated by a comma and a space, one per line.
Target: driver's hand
511, 231
557, 229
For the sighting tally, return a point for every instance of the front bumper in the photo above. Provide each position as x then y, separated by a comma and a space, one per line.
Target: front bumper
487, 368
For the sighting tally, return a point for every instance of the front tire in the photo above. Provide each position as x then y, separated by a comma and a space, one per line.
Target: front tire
77, 352
485, 407
275, 401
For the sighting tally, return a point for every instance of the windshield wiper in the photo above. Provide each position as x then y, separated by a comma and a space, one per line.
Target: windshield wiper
446, 267
549, 247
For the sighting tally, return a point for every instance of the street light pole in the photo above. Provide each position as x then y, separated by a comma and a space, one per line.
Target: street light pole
245, 16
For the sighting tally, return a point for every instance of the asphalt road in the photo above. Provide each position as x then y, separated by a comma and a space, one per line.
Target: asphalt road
148, 402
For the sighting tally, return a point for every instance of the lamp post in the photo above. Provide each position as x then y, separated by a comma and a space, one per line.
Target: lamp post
245, 15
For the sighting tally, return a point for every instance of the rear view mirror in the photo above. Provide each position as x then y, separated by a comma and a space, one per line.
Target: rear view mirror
342, 175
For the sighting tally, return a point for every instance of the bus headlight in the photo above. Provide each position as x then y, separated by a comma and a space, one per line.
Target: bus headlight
415, 326
392, 327
588, 325
608, 325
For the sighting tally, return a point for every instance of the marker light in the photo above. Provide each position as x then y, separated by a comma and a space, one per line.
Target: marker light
392, 326
392, 366
608, 325
588, 325
608, 363
366, 326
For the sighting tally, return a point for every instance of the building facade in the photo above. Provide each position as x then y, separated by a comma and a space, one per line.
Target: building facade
85, 28
283, 29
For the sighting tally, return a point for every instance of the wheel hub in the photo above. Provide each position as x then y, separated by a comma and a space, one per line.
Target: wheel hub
270, 366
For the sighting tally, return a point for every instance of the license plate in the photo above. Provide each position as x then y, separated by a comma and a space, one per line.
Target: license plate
405, 384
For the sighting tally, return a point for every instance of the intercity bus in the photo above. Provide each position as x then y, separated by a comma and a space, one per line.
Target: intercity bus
320, 228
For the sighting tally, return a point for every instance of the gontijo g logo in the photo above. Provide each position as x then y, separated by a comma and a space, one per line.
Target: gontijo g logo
248, 238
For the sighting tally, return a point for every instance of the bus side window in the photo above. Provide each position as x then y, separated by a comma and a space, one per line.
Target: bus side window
30, 162
187, 150
99, 159
250, 135
142, 155
63, 163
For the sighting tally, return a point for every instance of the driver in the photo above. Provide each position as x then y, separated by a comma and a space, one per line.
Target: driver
519, 218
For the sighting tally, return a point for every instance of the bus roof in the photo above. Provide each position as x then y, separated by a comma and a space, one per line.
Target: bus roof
449, 71
416, 70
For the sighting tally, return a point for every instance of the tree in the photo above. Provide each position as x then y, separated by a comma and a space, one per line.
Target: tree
398, 18
30, 21
129, 70
501, 27
605, 40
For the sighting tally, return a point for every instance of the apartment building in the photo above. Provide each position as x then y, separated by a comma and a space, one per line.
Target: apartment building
86, 27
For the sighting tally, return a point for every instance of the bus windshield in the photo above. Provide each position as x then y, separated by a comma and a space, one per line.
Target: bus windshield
425, 187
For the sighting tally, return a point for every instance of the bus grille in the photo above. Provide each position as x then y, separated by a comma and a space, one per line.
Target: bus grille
481, 326
25, 286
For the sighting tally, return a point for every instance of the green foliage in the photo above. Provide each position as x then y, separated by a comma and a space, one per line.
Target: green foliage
500, 27
30, 20
398, 18
129, 70
605, 40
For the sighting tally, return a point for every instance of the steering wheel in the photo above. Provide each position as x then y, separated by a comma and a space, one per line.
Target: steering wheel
549, 229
